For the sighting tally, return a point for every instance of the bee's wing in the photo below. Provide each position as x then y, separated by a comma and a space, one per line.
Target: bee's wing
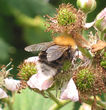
38, 47
55, 52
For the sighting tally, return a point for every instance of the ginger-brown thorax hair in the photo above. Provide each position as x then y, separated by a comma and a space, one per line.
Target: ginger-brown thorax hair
65, 40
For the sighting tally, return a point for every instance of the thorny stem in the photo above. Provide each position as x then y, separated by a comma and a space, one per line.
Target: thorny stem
104, 96
10, 104
102, 104
85, 52
9, 101
101, 35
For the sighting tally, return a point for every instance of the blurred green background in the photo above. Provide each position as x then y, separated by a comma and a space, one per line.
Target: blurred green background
22, 24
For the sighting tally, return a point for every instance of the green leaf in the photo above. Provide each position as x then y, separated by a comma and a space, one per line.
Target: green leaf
31, 7
29, 100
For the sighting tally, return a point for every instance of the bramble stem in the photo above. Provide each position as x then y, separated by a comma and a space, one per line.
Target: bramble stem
59, 104
102, 35
98, 102
10, 104
54, 98
9, 101
102, 104
57, 107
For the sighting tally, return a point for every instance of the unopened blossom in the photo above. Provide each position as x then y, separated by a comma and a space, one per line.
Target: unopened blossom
70, 92
86, 6
43, 78
12, 84
3, 94
100, 22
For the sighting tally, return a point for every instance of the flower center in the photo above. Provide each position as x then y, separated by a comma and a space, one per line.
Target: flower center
65, 17
26, 70
85, 80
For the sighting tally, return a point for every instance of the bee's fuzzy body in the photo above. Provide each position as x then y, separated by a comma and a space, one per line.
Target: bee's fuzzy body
65, 40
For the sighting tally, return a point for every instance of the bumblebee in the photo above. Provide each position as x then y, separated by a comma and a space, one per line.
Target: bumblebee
54, 55
54, 49
56, 58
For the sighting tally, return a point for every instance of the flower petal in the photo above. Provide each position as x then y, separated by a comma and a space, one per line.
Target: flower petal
44, 77
32, 59
3, 94
11, 84
70, 92
40, 82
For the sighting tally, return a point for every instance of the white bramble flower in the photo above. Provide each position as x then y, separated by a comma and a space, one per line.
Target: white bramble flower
100, 22
43, 79
40, 81
8, 83
12, 84
70, 92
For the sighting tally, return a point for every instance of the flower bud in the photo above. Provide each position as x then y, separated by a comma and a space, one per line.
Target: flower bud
100, 22
86, 6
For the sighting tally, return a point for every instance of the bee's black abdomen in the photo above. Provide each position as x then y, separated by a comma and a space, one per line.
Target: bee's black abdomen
67, 55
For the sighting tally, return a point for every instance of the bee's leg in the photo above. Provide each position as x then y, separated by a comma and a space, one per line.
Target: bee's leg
75, 56
86, 62
84, 59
